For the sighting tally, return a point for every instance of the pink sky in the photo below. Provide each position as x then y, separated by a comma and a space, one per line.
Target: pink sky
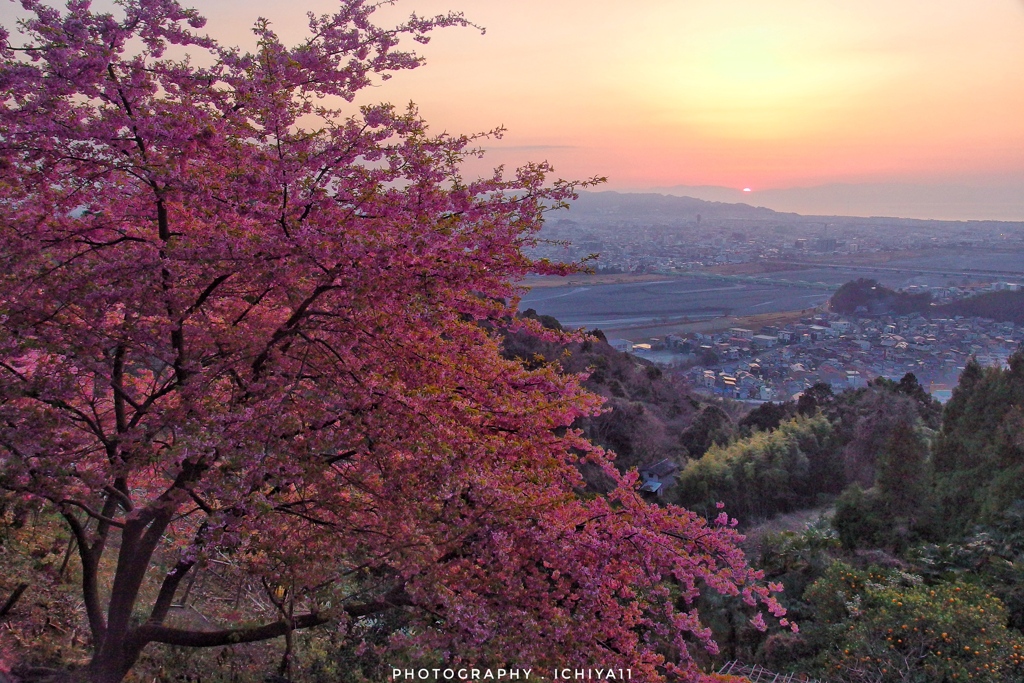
737, 93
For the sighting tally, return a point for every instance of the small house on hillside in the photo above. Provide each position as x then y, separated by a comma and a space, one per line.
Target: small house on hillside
657, 477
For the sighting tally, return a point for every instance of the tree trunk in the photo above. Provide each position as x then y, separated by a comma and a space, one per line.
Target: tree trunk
120, 646
112, 663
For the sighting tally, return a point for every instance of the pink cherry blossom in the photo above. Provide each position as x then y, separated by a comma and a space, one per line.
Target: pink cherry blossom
242, 316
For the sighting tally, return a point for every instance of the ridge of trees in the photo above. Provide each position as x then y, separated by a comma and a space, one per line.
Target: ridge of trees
1004, 306
917, 574
871, 297
875, 298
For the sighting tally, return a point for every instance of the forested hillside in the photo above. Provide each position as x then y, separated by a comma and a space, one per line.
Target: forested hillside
917, 571
649, 414
1005, 306
914, 569
871, 297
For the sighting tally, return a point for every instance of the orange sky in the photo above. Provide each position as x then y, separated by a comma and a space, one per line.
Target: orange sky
738, 93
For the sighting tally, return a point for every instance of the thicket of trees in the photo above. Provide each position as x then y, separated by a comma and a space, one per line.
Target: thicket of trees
1005, 306
789, 467
875, 298
979, 454
799, 454
918, 573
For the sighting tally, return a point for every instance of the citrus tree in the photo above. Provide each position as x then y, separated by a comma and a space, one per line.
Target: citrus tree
887, 626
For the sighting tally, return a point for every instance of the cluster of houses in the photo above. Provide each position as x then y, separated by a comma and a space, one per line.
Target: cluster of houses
776, 364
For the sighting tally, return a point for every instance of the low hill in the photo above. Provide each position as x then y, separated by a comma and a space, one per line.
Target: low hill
1005, 306
870, 297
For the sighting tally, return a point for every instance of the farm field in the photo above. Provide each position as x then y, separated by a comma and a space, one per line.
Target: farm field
641, 305
670, 301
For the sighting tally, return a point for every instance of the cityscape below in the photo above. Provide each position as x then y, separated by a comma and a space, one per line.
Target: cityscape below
736, 298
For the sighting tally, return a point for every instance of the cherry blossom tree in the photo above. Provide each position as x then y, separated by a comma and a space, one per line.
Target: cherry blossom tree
243, 316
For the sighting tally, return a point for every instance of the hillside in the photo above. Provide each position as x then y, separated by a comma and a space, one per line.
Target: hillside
655, 207
1005, 306
870, 297
650, 415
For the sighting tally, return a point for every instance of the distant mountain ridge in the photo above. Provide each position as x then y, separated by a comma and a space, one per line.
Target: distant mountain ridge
1003, 201
653, 206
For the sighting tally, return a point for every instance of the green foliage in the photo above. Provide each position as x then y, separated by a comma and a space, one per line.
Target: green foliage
930, 409
766, 417
979, 455
763, 475
792, 559
993, 556
865, 422
899, 509
806, 552
904, 478
712, 427
859, 519
815, 398
883, 626
796, 559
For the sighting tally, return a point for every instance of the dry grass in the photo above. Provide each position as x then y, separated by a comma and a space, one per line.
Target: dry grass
794, 521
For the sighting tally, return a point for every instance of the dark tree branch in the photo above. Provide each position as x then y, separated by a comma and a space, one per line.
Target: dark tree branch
13, 600
93, 426
110, 506
210, 288
92, 513
121, 496
120, 396
203, 505
167, 591
288, 328
90, 588
151, 633
347, 455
